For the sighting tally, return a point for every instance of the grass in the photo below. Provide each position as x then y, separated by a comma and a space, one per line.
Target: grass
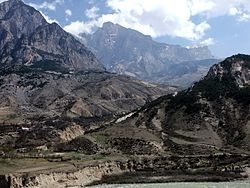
76, 155
5, 162
83, 157
101, 139
25, 164
13, 165
99, 157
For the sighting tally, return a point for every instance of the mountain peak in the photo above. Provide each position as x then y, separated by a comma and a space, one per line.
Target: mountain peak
6, 6
239, 57
15, 1
12, 2
127, 51
108, 24
236, 67
27, 39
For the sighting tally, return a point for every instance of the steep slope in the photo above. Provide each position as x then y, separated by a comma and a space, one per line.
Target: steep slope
26, 38
46, 72
49, 94
52, 88
129, 52
211, 116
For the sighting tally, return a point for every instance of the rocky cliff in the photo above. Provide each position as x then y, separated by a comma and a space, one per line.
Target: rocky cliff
27, 39
126, 51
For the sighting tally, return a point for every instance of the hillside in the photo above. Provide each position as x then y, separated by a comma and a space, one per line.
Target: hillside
46, 72
211, 116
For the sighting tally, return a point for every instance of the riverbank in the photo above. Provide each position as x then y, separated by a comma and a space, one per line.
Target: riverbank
170, 177
237, 184
140, 169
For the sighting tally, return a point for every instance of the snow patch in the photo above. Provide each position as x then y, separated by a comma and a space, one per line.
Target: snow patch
124, 118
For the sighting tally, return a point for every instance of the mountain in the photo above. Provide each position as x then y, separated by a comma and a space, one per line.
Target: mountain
126, 51
46, 72
211, 116
33, 93
208, 118
27, 39
67, 122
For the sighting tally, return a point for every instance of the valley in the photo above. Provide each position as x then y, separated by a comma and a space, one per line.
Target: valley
116, 107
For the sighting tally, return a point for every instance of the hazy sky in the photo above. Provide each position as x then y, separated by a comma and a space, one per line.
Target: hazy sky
224, 25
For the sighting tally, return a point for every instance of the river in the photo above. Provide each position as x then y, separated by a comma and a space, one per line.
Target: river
181, 185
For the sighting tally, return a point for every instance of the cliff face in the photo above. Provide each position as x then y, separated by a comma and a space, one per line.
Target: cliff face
73, 177
126, 51
236, 67
26, 38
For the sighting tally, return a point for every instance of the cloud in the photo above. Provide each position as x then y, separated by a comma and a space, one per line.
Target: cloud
48, 19
78, 27
207, 42
201, 6
46, 5
92, 13
160, 18
244, 17
233, 11
68, 12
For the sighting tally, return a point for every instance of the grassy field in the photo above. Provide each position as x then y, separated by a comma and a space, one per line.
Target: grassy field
15, 165
67, 161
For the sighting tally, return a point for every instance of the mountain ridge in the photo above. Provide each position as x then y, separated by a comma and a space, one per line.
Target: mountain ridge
129, 52
26, 42
46, 72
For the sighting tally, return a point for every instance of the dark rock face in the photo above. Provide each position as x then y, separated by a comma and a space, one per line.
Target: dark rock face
129, 52
211, 116
26, 37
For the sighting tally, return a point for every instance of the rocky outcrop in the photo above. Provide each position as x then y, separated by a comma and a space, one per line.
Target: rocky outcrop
71, 133
234, 66
73, 177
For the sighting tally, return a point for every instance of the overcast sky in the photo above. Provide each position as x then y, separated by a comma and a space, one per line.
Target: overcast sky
224, 25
